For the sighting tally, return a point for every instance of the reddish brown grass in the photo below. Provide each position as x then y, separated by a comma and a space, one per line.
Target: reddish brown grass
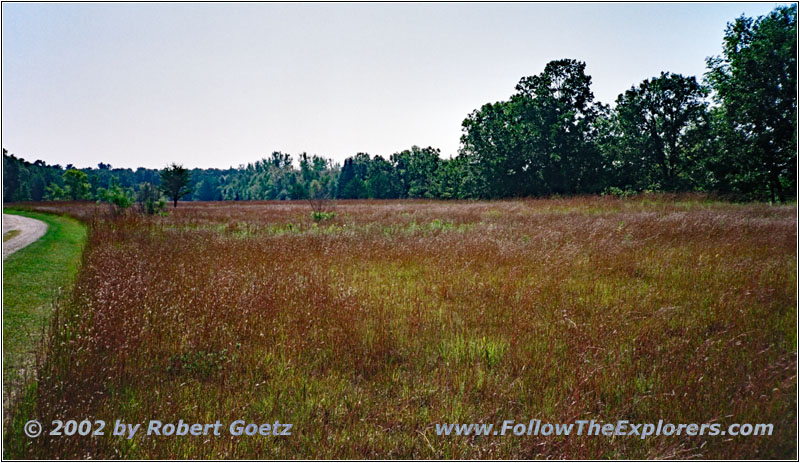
367, 329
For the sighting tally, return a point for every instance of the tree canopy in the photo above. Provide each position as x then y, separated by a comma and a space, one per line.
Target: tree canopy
662, 126
755, 83
175, 181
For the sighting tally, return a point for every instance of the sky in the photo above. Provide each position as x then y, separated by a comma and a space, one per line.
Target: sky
219, 85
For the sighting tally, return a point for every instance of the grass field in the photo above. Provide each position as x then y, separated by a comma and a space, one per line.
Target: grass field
32, 278
367, 329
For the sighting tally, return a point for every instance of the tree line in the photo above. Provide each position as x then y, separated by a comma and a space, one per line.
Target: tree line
732, 133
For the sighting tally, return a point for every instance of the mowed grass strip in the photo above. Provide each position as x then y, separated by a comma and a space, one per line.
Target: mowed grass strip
32, 278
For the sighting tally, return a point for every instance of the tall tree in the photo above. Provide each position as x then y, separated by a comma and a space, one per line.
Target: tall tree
493, 143
352, 180
207, 190
77, 184
11, 176
416, 169
559, 116
663, 124
175, 181
452, 178
382, 180
543, 140
755, 83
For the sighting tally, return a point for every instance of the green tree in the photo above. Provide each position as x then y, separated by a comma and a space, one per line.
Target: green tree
38, 186
755, 83
493, 146
452, 178
352, 180
207, 190
382, 180
542, 141
175, 181
663, 126
76, 183
11, 180
558, 116
54, 192
416, 169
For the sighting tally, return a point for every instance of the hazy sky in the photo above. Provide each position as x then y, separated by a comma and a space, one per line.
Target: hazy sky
217, 85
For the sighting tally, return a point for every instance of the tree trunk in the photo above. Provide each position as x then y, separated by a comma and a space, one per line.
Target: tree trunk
777, 188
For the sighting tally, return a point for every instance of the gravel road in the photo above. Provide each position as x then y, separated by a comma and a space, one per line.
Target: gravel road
30, 231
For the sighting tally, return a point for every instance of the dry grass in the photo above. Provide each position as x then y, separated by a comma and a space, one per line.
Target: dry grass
367, 329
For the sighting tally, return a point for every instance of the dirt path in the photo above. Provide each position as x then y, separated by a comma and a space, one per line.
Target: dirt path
30, 230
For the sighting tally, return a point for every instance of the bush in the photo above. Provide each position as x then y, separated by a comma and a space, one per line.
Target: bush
319, 216
149, 199
618, 192
117, 198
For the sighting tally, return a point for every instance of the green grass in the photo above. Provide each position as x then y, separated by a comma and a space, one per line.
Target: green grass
8, 235
32, 278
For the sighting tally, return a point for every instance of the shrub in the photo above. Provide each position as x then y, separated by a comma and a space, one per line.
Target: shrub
118, 199
319, 216
149, 199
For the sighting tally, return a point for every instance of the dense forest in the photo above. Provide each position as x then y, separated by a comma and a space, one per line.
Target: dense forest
733, 132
